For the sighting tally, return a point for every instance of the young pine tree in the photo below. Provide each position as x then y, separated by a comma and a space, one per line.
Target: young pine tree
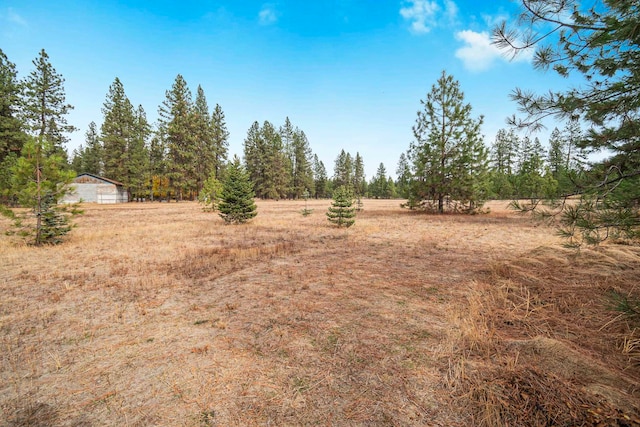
237, 205
209, 196
342, 212
40, 181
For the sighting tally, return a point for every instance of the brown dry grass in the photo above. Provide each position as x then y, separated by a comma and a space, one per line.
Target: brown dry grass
159, 314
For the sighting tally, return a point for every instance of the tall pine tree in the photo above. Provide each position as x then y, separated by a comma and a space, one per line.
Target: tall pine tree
177, 125
44, 106
220, 136
12, 136
448, 155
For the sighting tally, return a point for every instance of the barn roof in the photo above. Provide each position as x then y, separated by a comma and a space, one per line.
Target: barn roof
110, 181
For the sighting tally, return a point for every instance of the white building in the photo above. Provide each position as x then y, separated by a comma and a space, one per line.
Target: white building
96, 189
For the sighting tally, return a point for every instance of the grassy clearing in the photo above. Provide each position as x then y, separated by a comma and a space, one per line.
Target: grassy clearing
159, 314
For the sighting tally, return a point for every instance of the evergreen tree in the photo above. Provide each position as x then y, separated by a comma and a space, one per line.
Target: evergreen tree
275, 180
287, 135
403, 172
44, 106
211, 193
12, 137
205, 158
343, 170
237, 205
266, 161
320, 178
390, 190
534, 180
41, 180
92, 154
117, 132
601, 45
557, 155
138, 171
359, 178
177, 124
158, 167
254, 157
378, 188
220, 139
342, 212
302, 177
504, 154
77, 159
448, 155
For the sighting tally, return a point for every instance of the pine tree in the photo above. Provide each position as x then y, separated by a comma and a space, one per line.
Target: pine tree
599, 44
378, 184
204, 144
157, 167
343, 170
403, 173
41, 180
92, 156
77, 156
557, 154
359, 178
302, 177
12, 137
534, 180
254, 157
320, 179
276, 180
44, 106
342, 212
266, 161
220, 139
117, 132
138, 169
287, 134
177, 124
211, 193
504, 153
237, 205
448, 155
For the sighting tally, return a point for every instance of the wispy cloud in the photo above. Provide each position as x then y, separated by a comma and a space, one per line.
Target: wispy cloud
267, 15
427, 14
451, 11
13, 17
478, 54
421, 13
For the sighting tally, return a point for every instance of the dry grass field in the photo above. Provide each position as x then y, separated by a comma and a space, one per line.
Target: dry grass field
160, 314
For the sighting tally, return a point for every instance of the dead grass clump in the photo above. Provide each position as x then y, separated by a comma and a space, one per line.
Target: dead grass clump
214, 262
528, 396
26, 413
575, 358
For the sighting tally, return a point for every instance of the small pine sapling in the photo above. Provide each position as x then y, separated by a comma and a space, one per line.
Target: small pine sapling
306, 211
342, 212
210, 194
237, 205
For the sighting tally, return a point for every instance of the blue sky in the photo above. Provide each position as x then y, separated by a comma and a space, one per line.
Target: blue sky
350, 73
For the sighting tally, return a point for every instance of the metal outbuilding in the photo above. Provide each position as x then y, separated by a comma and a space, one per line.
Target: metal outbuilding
96, 189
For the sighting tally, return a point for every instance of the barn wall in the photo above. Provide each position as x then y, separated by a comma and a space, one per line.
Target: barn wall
97, 193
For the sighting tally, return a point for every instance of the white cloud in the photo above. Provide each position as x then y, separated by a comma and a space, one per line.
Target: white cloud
478, 54
421, 14
451, 11
267, 15
494, 20
12, 16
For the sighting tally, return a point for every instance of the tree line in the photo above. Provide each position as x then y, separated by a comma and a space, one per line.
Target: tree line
446, 167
